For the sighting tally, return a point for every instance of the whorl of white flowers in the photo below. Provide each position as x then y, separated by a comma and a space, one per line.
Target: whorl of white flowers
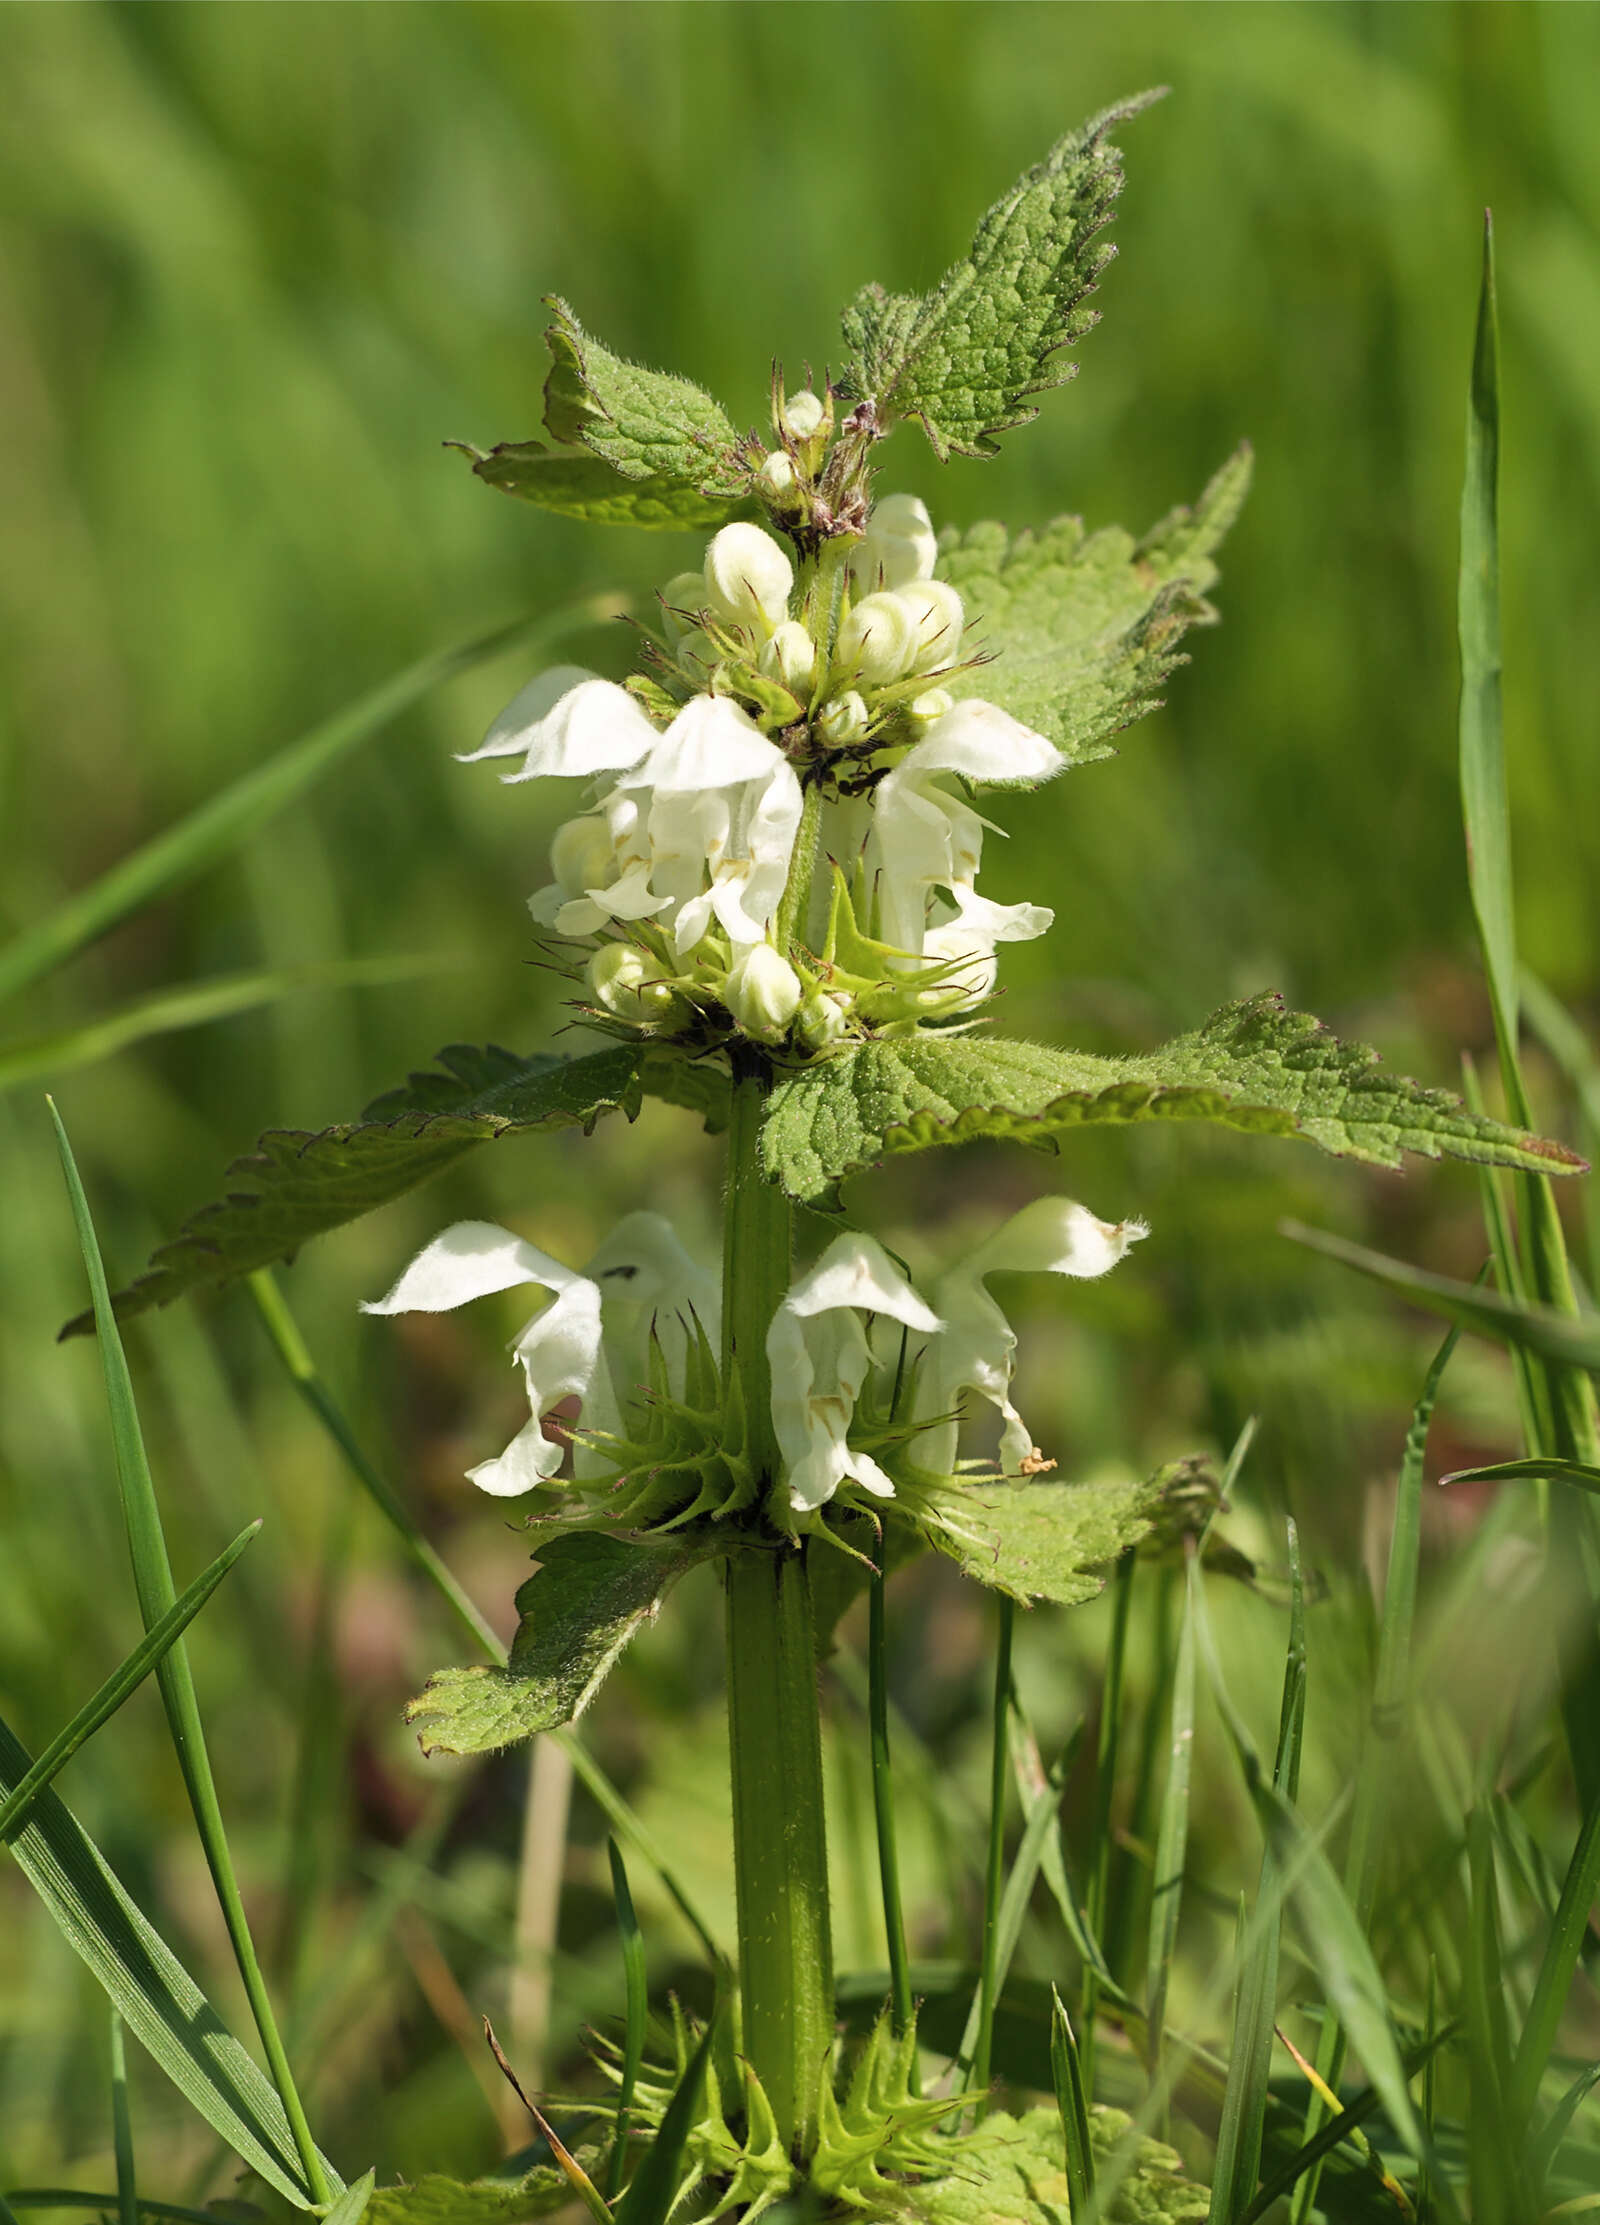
762, 686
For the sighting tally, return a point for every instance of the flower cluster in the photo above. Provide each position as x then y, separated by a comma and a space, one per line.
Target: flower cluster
864, 1368
690, 875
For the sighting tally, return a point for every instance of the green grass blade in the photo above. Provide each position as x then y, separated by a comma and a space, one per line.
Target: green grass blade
351, 2206
1172, 1834
633, 1972
1107, 1756
118, 1686
152, 1574
197, 1004
994, 1867
654, 2189
1291, 2172
1241, 2129
159, 2002
1042, 1822
219, 825
1567, 1044
1485, 807
894, 1923
1559, 1961
1529, 1471
1500, 2192
1073, 2103
1570, 1342
122, 2129
292, 1350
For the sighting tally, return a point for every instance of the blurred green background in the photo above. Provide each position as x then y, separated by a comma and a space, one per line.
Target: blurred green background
256, 265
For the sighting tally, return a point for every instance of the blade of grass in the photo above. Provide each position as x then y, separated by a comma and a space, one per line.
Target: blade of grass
1560, 1960
1172, 1833
1073, 2104
1568, 1341
292, 1350
152, 1575
1337, 2130
894, 1924
654, 2188
1500, 2191
1107, 1749
994, 1868
351, 2206
1242, 2128
122, 2129
1031, 1779
14, 1808
1567, 1044
633, 1973
158, 2000
1390, 1696
220, 824
1529, 1471
197, 1004
1042, 1818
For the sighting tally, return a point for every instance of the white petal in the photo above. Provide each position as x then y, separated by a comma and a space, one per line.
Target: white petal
470, 1260
1055, 1236
983, 744
595, 728
855, 1270
508, 737
529, 1460
710, 744
644, 1262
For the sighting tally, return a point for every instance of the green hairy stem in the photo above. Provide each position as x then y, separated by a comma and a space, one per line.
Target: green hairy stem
774, 1728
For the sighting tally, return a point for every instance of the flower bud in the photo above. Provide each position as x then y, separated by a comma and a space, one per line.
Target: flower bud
803, 414
682, 600
899, 545
822, 1020
844, 720
877, 643
762, 990
748, 578
776, 481
926, 708
937, 619
628, 982
790, 656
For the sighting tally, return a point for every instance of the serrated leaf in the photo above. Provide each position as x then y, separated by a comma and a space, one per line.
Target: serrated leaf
296, 1185
510, 2199
576, 484
695, 1084
1013, 2171
1084, 627
590, 1594
1253, 1065
644, 424
964, 358
1042, 1540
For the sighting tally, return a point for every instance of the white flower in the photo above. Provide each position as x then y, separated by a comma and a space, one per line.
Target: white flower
560, 1351
976, 1350
568, 725
819, 1356
937, 620
924, 838
802, 414
878, 642
790, 656
844, 720
748, 578
776, 480
961, 942
898, 546
628, 982
762, 990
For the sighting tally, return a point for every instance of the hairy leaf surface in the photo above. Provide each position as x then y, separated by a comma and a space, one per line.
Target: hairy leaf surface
1084, 627
1013, 2171
295, 1185
506, 2198
589, 1595
1252, 1065
1042, 1540
644, 424
965, 357
576, 484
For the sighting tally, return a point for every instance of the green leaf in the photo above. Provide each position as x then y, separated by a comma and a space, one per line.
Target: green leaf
157, 1999
1084, 627
507, 2198
576, 484
647, 425
1530, 1471
589, 1595
1033, 1541
965, 358
219, 825
694, 1083
1013, 2171
296, 1185
1253, 1065
354, 2202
